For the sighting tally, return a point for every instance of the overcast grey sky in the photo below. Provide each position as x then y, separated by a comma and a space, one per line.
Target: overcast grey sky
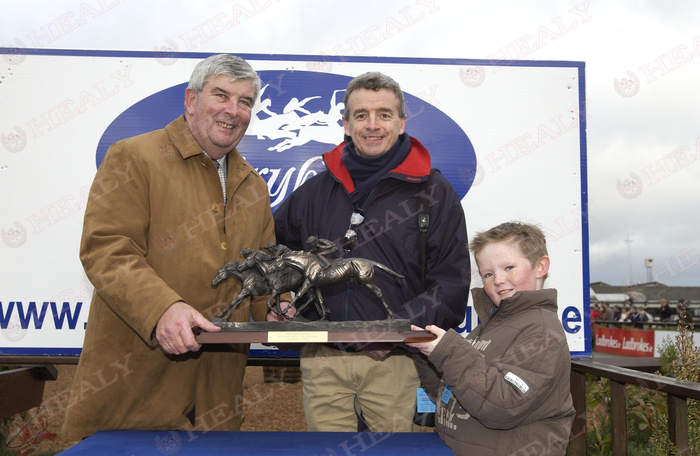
642, 73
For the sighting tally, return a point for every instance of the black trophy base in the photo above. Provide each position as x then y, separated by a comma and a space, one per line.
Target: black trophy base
293, 332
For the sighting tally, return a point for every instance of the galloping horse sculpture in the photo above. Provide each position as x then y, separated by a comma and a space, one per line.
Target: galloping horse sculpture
254, 284
339, 270
298, 271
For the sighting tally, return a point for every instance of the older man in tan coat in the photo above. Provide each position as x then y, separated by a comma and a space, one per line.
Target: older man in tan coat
167, 209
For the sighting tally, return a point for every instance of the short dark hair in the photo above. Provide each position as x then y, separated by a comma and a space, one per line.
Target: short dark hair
374, 80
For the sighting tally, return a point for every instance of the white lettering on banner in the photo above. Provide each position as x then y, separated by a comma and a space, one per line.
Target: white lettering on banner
638, 346
630, 344
604, 341
278, 194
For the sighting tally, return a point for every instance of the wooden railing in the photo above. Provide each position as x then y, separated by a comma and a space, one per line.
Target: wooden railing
23, 388
644, 324
678, 392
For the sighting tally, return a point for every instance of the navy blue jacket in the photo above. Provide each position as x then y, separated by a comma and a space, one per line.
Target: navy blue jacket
388, 235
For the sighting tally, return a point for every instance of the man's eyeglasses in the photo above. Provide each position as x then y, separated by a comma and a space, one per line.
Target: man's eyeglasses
357, 217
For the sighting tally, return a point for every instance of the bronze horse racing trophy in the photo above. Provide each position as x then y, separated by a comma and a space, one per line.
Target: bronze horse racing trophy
304, 273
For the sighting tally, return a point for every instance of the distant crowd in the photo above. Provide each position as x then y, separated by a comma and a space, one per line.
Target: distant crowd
629, 312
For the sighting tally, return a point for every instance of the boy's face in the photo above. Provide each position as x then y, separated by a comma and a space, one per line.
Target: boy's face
505, 271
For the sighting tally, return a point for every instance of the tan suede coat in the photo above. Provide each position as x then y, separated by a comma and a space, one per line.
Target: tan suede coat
156, 231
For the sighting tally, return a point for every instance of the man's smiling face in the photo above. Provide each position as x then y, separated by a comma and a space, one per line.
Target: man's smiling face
219, 115
373, 122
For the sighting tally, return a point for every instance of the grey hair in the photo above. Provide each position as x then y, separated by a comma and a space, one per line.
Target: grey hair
219, 64
374, 81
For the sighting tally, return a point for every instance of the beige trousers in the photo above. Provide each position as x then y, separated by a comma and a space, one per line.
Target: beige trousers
336, 381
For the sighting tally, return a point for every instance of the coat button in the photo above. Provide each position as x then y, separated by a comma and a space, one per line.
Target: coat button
224, 246
215, 207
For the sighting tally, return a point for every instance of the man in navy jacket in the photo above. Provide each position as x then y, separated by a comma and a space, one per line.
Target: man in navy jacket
379, 200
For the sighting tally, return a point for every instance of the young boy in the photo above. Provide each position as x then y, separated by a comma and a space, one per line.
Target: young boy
504, 389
